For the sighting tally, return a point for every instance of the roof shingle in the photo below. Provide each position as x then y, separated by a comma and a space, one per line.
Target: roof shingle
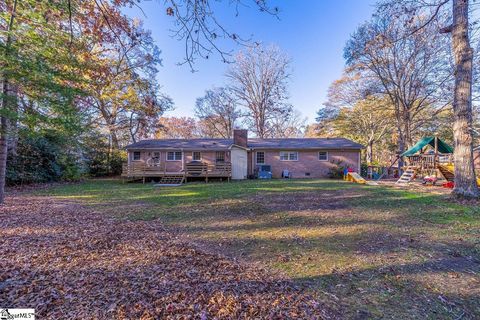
303, 143
254, 143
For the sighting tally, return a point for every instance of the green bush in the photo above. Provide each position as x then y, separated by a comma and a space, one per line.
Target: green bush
364, 169
336, 171
42, 158
100, 159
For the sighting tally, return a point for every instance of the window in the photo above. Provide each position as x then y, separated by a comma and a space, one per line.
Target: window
174, 156
323, 156
260, 158
288, 155
136, 155
196, 156
220, 156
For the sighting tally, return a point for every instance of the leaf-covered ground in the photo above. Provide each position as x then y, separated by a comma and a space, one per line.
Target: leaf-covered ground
335, 249
70, 262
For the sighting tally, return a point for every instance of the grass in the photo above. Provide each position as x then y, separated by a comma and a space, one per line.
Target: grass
373, 251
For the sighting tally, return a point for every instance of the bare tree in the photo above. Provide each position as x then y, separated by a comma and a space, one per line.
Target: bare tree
143, 121
413, 70
290, 125
122, 96
258, 79
367, 122
463, 55
177, 128
351, 88
197, 25
218, 113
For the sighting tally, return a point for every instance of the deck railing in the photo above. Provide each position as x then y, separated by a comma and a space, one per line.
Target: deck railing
192, 169
429, 160
141, 169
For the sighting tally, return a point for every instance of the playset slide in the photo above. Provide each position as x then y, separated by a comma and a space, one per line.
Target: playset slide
450, 170
355, 177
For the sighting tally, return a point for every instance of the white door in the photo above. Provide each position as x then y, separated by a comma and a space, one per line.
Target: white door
239, 163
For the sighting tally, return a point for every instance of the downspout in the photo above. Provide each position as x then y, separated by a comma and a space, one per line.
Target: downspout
183, 160
359, 162
436, 159
252, 167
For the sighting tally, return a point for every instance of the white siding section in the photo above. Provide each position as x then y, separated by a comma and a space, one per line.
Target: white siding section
239, 163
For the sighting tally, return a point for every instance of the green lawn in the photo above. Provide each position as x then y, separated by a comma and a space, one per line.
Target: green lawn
373, 251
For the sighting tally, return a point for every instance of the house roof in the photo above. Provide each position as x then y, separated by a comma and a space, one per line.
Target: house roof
253, 143
182, 144
304, 143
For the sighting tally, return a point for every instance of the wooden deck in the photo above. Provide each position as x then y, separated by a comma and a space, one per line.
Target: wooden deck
422, 165
428, 161
142, 171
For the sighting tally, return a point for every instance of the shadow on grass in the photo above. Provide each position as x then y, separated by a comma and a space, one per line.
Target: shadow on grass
268, 220
437, 288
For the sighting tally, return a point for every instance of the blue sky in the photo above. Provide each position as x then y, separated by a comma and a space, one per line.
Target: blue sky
312, 32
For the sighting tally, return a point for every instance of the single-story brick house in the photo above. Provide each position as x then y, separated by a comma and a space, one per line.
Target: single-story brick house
302, 157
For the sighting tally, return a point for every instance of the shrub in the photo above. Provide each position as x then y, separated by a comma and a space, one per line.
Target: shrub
42, 158
336, 171
101, 160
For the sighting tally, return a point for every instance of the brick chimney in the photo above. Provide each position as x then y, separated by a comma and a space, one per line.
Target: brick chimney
240, 137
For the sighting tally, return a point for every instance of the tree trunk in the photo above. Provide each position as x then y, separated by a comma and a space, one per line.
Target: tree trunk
12, 125
369, 155
115, 143
401, 149
5, 105
465, 181
3, 141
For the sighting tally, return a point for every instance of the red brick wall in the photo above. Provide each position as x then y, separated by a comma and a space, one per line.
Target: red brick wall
240, 137
308, 163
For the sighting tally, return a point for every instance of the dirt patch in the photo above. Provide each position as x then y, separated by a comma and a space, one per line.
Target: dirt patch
69, 262
417, 187
372, 256
309, 200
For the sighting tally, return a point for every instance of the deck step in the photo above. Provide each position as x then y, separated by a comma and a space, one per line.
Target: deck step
407, 176
174, 179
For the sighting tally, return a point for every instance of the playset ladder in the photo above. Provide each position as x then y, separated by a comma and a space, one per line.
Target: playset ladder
407, 176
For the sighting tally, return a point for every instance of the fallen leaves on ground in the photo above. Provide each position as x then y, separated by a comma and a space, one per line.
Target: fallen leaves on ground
69, 262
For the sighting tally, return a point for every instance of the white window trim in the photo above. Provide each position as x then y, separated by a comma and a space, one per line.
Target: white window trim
323, 160
256, 158
289, 152
193, 152
166, 157
133, 156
